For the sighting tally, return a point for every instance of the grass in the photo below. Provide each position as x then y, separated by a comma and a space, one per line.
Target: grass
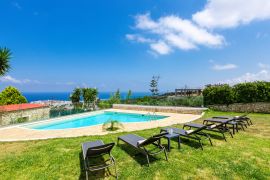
246, 156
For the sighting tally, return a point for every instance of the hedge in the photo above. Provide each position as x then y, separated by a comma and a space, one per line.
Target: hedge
258, 91
191, 101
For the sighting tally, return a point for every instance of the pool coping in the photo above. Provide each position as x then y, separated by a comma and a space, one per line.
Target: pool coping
26, 134
71, 118
53, 119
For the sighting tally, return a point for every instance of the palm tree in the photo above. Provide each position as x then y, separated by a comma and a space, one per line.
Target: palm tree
5, 56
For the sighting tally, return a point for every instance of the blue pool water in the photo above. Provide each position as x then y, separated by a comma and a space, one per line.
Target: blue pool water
95, 120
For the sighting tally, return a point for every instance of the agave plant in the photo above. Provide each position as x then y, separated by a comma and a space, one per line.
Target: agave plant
112, 125
5, 56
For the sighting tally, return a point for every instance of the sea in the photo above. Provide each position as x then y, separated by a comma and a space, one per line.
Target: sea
64, 96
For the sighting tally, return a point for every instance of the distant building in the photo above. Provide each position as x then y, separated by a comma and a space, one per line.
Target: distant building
10, 114
188, 92
55, 103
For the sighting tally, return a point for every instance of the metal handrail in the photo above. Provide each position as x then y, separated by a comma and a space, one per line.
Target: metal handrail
152, 116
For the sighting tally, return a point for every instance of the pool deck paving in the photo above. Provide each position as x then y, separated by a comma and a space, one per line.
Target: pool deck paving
20, 133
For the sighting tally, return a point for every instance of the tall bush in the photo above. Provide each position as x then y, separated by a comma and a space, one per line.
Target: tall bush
89, 96
221, 94
240, 93
75, 96
115, 98
11, 95
246, 92
263, 91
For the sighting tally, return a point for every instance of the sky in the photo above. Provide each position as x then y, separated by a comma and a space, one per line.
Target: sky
59, 45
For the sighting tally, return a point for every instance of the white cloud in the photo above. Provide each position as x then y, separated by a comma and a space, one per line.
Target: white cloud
10, 79
219, 67
262, 75
138, 38
188, 31
263, 66
232, 13
66, 83
179, 42
170, 32
187, 34
143, 21
161, 48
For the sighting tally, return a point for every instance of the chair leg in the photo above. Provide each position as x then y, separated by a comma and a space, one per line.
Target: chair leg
245, 123
231, 133
210, 141
224, 136
147, 160
169, 145
86, 169
179, 142
233, 128
201, 144
165, 154
242, 127
86, 175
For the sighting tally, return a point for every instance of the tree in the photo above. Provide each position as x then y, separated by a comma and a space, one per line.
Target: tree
115, 98
5, 56
129, 94
11, 95
118, 95
154, 85
89, 96
75, 96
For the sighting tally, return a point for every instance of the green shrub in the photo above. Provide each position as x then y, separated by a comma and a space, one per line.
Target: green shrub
245, 92
104, 105
115, 98
193, 101
22, 119
263, 91
240, 93
19, 120
11, 95
221, 94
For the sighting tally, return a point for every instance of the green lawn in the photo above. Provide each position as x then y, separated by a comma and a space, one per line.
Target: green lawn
246, 156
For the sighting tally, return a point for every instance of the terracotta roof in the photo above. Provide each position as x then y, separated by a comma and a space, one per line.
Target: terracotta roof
17, 107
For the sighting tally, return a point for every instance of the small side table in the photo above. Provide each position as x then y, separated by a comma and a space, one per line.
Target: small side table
171, 136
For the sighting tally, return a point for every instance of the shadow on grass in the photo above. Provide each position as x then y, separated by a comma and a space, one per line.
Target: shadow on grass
136, 155
192, 143
218, 136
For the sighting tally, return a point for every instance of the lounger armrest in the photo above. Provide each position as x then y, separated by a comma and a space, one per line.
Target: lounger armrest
140, 142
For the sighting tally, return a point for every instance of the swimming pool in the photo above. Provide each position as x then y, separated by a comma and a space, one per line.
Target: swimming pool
96, 119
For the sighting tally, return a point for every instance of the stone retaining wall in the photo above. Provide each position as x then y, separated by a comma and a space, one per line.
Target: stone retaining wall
7, 118
168, 109
259, 107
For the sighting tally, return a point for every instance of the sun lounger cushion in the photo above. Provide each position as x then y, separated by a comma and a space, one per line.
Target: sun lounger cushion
132, 139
